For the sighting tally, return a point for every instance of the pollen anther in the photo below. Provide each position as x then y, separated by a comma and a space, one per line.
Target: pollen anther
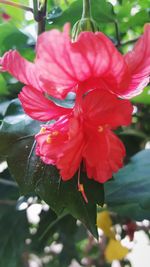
55, 133
48, 140
100, 129
43, 130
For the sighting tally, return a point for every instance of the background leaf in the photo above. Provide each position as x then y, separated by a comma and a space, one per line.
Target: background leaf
129, 193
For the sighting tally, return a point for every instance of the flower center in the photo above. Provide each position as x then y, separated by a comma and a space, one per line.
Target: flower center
49, 137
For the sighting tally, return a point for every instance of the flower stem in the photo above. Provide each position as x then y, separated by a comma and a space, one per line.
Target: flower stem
117, 33
86, 9
35, 10
10, 3
40, 14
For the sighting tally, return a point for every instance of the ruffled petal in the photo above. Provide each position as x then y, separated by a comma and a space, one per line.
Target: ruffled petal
70, 161
63, 64
38, 107
51, 140
20, 68
56, 71
97, 57
103, 156
138, 61
103, 108
61, 144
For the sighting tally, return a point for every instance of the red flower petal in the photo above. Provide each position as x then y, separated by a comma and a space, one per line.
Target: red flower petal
70, 161
93, 57
103, 156
56, 70
138, 61
103, 108
97, 57
20, 68
38, 107
51, 140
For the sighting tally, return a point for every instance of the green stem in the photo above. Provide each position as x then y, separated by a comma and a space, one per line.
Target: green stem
10, 3
86, 9
117, 33
42, 23
35, 10
40, 15
128, 42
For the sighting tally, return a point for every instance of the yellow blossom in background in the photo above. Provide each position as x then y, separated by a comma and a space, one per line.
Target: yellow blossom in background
105, 223
115, 251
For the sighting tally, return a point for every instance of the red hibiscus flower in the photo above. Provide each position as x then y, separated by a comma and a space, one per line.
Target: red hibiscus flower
98, 74
91, 62
85, 135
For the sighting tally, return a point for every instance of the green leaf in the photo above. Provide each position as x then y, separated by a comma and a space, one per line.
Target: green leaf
129, 193
3, 85
11, 38
13, 232
143, 98
14, 227
101, 12
64, 197
16, 141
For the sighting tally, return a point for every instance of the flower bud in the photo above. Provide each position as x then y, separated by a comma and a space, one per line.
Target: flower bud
84, 24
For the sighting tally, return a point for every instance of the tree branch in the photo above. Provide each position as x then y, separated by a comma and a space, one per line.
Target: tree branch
10, 3
40, 14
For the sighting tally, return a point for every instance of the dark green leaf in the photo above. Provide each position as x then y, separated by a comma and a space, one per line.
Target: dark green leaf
64, 197
129, 193
16, 143
14, 228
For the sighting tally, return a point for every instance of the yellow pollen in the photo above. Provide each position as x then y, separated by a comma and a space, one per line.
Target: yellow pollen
43, 130
100, 129
55, 133
81, 188
48, 140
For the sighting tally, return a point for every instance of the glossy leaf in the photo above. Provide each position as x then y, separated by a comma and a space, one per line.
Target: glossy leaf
129, 193
14, 227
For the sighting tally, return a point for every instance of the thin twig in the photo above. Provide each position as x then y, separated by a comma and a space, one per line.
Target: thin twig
117, 34
40, 15
35, 10
42, 22
129, 42
10, 3
7, 182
